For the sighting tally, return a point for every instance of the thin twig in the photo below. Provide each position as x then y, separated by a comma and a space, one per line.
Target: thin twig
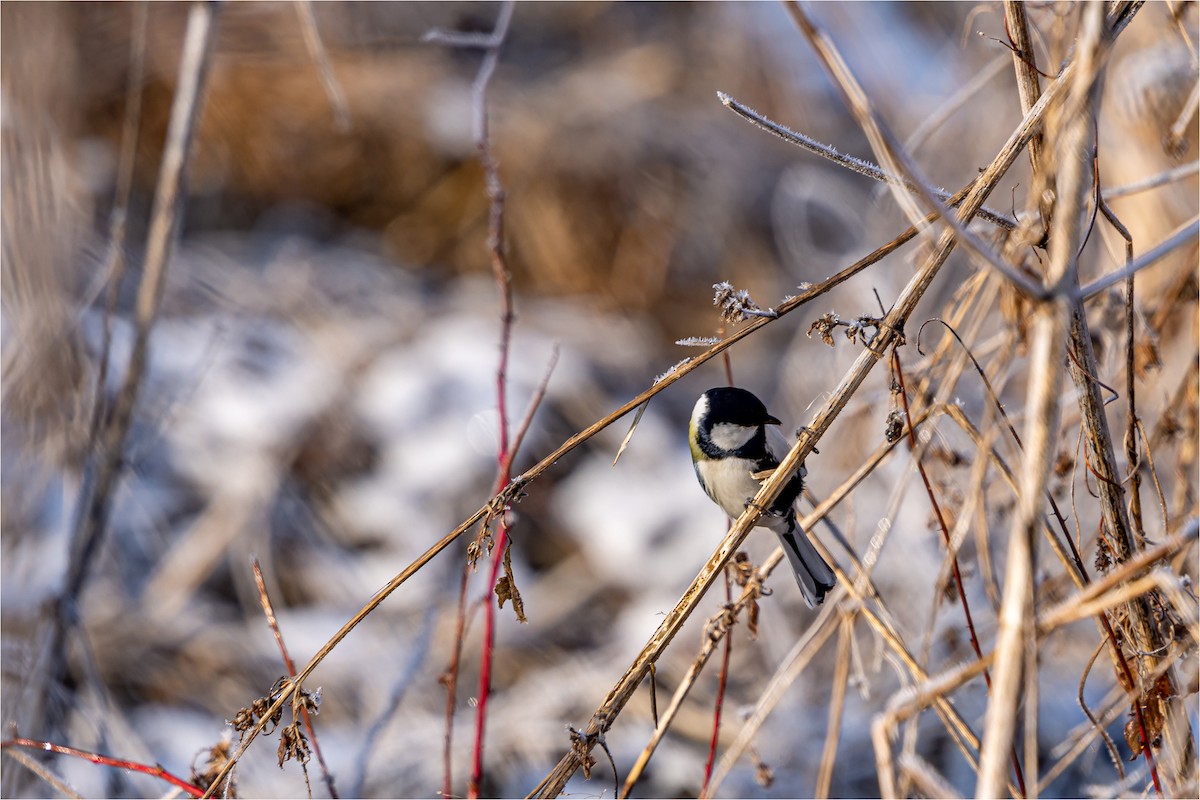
505, 455
320, 57
722, 681
837, 705
857, 165
1177, 135
95, 498
947, 109
42, 771
1109, 745
114, 262
96, 758
1185, 233
1154, 181
273, 622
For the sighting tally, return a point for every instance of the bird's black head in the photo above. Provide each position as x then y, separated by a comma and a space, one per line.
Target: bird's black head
736, 406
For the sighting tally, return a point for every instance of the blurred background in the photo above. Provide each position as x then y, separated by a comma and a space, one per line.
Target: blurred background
321, 383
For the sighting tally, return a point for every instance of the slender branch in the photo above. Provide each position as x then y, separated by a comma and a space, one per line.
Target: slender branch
95, 498
851, 163
1154, 181
273, 622
114, 262
1029, 88
1185, 233
504, 456
320, 57
96, 758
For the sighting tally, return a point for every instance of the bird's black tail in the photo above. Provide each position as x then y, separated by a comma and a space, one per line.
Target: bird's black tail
812, 573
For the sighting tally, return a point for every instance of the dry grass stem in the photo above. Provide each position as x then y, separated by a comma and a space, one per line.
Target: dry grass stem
95, 497
837, 704
43, 772
928, 780
320, 58
1070, 142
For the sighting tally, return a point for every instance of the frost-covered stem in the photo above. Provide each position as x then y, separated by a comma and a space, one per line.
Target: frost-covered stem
857, 165
892, 155
495, 193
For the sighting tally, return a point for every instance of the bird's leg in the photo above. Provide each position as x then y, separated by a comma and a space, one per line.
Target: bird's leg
804, 429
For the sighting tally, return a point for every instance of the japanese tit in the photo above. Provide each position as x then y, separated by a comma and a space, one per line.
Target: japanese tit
729, 446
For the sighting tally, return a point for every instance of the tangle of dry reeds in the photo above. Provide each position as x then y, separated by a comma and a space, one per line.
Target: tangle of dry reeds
1034, 540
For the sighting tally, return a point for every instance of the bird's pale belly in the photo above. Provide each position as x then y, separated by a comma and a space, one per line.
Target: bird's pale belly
729, 483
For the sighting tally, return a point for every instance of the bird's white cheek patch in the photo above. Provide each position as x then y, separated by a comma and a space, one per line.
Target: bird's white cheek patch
728, 436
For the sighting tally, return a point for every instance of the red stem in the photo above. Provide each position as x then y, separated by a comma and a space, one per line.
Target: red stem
495, 194
156, 770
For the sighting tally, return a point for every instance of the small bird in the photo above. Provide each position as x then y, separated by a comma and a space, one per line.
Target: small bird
729, 451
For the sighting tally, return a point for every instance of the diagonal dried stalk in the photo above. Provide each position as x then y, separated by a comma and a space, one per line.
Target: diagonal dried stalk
264, 599
1028, 85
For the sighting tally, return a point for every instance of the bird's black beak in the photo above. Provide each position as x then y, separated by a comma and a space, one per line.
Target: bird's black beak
771, 421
